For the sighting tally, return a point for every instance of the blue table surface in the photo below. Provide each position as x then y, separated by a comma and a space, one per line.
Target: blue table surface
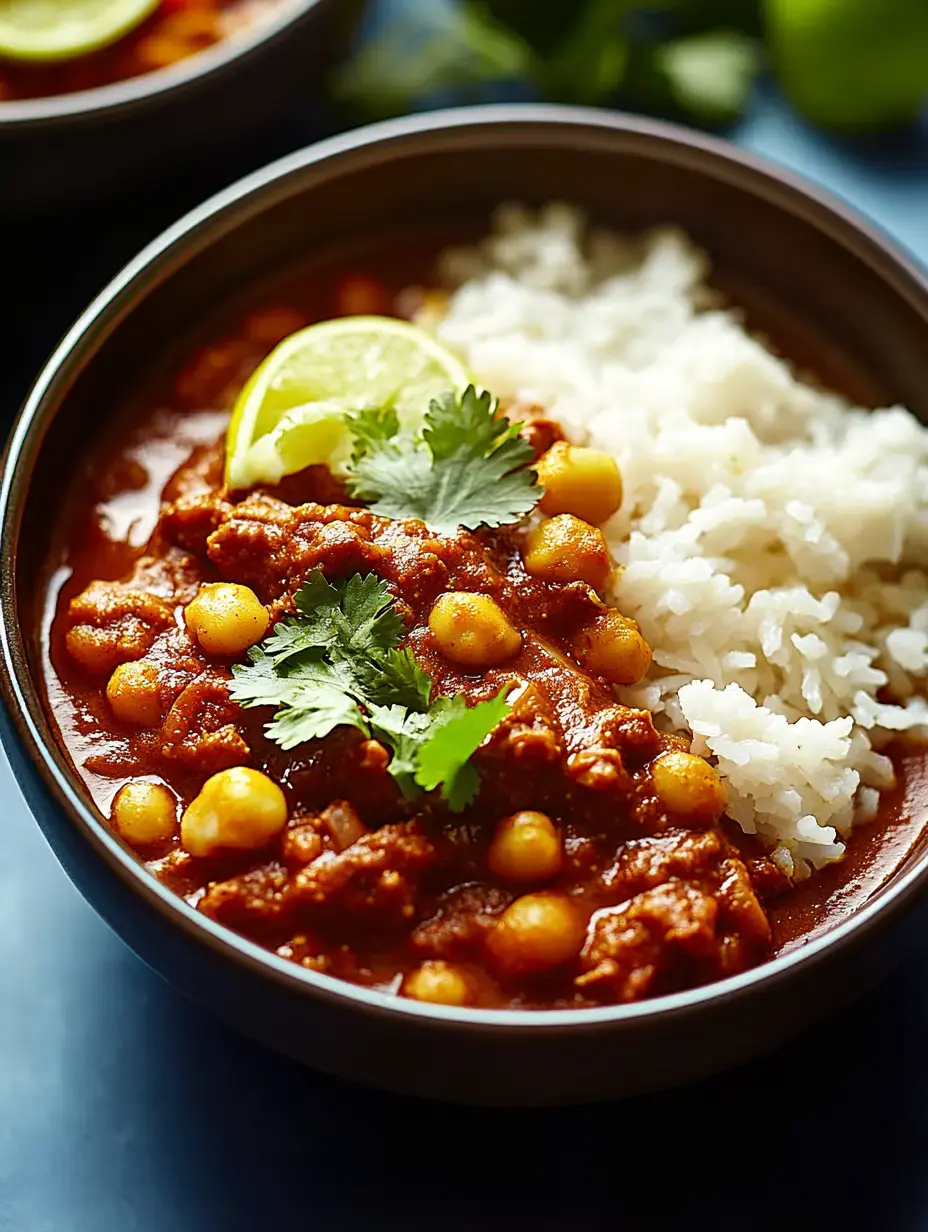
123, 1107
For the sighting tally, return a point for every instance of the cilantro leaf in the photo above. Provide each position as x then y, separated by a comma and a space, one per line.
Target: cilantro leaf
385, 464
461, 495
403, 732
317, 594
434, 749
259, 683
358, 613
469, 422
396, 678
457, 732
466, 468
329, 708
293, 637
373, 427
267, 681
337, 664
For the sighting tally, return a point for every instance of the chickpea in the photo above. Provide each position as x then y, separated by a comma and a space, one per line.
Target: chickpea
133, 694
611, 645
226, 618
438, 983
472, 630
688, 786
566, 549
585, 482
239, 808
536, 932
526, 847
145, 813
90, 649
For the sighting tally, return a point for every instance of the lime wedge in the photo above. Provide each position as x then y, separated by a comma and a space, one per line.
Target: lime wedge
63, 29
294, 411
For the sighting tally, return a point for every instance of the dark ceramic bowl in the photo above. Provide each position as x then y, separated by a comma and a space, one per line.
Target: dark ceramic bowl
807, 254
74, 149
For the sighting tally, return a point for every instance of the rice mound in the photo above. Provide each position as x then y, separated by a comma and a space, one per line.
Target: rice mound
770, 533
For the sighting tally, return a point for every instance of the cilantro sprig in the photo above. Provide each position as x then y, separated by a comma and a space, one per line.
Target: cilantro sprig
338, 663
467, 467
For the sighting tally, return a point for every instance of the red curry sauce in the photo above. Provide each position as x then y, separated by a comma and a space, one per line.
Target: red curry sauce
360, 883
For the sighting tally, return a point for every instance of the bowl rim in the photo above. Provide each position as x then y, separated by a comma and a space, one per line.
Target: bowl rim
195, 231
113, 100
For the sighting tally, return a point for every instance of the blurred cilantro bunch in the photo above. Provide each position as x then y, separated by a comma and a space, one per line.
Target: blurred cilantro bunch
847, 64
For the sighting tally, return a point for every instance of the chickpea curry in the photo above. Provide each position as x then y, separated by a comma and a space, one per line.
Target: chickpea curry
365, 714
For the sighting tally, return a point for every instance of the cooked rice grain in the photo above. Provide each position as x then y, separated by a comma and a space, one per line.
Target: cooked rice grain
770, 535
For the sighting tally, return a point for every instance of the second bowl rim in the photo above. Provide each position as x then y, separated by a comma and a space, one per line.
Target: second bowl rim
195, 231
112, 100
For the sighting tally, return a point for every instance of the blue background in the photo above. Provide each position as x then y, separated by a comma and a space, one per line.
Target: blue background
122, 1107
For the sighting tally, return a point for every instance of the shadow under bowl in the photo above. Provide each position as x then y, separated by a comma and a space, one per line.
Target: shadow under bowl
66, 151
826, 270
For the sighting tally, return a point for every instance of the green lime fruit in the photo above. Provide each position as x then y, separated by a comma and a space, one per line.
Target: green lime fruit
852, 64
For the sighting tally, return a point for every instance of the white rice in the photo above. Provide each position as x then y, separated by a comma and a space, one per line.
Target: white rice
770, 533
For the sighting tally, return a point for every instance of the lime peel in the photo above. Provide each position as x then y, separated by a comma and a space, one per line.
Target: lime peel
52, 30
294, 411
